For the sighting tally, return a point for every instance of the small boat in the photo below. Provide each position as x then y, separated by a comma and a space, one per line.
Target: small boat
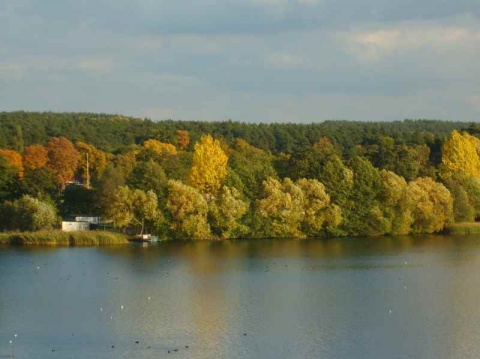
144, 238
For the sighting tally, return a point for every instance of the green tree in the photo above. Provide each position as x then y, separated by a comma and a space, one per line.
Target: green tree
463, 209
364, 215
8, 179
106, 186
28, 214
39, 183
249, 167
149, 176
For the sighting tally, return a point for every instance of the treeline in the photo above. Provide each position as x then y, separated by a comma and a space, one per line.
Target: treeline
233, 180
115, 133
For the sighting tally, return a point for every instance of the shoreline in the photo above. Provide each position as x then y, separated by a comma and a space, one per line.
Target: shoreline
105, 238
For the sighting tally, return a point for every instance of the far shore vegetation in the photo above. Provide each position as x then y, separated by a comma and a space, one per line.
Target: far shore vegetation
221, 180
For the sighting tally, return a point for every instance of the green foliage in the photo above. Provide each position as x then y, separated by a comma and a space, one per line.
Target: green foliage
249, 167
364, 215
107, 185
39, 182
28, 214
8, 179
78, 200
149, 176
463, 210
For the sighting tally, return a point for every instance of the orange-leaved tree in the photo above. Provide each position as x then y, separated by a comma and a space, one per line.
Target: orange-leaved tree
183, 139
14, 159
62, 159
35, 156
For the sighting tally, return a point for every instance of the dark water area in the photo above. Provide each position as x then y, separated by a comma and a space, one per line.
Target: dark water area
408, 297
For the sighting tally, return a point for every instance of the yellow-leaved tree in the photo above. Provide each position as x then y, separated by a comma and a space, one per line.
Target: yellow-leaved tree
209, 166
460, 156
160, 148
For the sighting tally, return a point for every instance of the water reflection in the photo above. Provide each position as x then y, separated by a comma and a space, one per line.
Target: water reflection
344, 298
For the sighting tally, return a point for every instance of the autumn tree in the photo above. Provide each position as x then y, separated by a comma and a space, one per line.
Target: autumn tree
62, 159
125, 162
392, 191
182, 139
460, 156
429, 204
15, 160
188, 209
226, 212
134, 207
320, 216
209, 167
161, 148
35, 156
281, 209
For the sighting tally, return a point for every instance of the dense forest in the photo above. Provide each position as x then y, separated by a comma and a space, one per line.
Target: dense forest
218, 180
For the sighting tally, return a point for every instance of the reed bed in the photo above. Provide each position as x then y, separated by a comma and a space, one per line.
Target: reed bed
464, 228
60, 238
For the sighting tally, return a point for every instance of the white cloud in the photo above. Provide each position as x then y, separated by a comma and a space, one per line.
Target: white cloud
375, 45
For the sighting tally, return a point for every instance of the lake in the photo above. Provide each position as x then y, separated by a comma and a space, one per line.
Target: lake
407, 297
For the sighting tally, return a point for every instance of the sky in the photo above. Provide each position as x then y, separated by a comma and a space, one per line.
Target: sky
297, 61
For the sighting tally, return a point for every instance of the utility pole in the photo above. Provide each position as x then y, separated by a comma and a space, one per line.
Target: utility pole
88, 174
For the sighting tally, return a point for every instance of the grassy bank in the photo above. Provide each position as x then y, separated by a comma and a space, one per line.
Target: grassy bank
464, 228
60, 238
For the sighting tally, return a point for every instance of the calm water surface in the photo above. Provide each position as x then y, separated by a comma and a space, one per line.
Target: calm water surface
349, 298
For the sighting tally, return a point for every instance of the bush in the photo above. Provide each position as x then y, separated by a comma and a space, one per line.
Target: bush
28, 214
